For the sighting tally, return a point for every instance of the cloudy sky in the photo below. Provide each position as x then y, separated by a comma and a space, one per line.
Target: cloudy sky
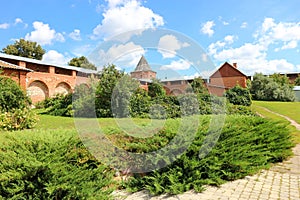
261, 36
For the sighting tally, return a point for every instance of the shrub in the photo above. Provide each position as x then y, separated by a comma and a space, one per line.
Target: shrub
245, 145
18, 119
14, 107
272, 88
50, 165
239, 96
11, 95
60, 105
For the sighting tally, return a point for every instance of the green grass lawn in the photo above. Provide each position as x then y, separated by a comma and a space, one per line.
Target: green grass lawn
289, 109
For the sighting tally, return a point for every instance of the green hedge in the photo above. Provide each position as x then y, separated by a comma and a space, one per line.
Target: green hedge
54, 164
246, 145
50, 165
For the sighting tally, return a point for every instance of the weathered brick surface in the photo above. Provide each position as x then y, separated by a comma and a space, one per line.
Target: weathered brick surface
45, 81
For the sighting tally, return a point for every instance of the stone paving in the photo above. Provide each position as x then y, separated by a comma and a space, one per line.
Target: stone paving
282, 181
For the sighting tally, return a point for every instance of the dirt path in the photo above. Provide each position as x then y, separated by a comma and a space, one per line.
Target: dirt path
282, 181
293, 122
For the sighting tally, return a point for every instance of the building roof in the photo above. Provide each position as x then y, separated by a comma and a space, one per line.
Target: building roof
296, 88
143, 65
219, 72
19, 58
4, 64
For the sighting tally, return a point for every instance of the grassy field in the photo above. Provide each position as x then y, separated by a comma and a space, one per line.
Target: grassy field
289, 109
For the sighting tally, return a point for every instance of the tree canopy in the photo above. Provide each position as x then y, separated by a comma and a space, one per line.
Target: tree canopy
83, 62
25, 48
297, 81
273, 88
108, 79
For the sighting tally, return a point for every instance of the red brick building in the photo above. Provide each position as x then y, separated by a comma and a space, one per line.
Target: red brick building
143, 73
41, 79
226, 77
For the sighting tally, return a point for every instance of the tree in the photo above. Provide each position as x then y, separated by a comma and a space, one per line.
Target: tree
108, 79
280, 79
82, 62
26, 49
297, 81
239, 96
271, 88
155, 89
198, 86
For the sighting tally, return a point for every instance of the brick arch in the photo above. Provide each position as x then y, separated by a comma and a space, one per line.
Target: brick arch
38, 91
176, 92
62, 88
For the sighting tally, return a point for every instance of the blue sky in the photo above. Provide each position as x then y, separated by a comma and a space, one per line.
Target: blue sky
260, 36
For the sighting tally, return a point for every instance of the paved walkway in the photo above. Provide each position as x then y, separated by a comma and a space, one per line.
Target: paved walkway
282, 181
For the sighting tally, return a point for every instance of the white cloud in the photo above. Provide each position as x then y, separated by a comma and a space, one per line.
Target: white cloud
214, 47
244, 25
124, 16
253, 57
169, 44
225, 23
207, 28
114, 3
43, 34
124, 55
229, 39
290, 45
75, 35
271, 32
4, 26
18, 21
55, 57
176, 65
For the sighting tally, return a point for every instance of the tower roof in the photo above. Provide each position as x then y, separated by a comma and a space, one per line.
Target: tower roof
143, 65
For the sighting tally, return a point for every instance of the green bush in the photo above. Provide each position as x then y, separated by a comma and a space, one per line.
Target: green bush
18, 119
273, 88
239, 96
246, 145
60, 105
50, 165
11, 95
15, 113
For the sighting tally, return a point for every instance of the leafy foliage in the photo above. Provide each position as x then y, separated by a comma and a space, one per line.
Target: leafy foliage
198, 86
25, 48
18, 119
120, 99
83, 62
239, 96
246, 145
50, 165
272, 88
108, 79
84, 101
155, 89
60, 105
14, 106
11, 95
297, 81
140, 104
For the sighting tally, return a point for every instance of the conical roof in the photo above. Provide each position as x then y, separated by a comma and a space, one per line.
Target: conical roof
143, 65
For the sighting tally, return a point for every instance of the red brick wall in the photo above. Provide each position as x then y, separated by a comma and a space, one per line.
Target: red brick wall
143, 75
229, 82
18, 76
